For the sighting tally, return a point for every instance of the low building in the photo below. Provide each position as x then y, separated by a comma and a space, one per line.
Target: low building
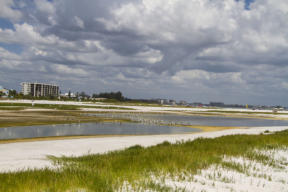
182, 103
160, 101
40, 89
70, 95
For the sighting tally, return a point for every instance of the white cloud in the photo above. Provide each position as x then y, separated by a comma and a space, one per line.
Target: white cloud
178, 21
60, 69
8, 59
6, 10
78, 22
168, 44
195, 76
45, 6
285, 85
149, 56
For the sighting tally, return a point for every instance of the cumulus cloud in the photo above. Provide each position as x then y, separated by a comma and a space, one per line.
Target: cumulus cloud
45, 6
68, 70
78, 22
7, 10
169, 44
8, 59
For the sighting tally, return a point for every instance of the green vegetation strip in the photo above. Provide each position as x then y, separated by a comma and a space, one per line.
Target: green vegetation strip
105, 107
21, 106
11, 108
43, 106
107, 172
28, 118
246, 112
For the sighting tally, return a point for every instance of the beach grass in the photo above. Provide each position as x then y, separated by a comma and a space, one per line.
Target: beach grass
108, 107
245, 112
12, 108
21, 106
135, 165
41, 106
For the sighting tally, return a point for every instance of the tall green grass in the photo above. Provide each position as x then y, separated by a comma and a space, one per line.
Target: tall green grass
45, 106
245, 112
107, 172
18, 106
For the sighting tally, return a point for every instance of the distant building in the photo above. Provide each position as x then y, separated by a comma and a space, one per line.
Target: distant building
71, 95
182, 103
160, 101
166, 101
39, 89
172, 102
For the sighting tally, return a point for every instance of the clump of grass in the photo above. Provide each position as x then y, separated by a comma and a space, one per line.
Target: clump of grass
14, 104
11, 108
58, 107
108, 172
105, 107
245, 112
267, 131
21, 106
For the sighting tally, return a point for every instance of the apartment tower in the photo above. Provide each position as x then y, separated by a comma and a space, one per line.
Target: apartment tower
39, 89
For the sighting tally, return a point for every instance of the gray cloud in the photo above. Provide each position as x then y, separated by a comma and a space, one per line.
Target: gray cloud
197, 50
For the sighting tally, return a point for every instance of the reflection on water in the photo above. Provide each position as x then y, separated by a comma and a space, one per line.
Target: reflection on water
90, 129
171, 119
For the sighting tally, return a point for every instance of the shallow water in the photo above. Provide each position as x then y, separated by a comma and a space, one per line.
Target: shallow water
148, 124
195, 120
90, 129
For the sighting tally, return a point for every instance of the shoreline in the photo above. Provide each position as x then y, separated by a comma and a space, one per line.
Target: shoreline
34, 155
203, 128
51, 117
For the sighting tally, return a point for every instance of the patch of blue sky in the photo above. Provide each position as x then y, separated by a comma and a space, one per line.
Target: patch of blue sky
6, 24
15, 48
247, 3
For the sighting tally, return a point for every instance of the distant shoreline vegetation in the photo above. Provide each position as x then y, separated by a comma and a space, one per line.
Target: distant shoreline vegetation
118, 97
107, 97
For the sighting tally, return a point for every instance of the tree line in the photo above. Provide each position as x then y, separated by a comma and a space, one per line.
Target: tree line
112, 95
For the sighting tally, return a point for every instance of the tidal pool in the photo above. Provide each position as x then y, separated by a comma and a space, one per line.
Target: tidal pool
90, 129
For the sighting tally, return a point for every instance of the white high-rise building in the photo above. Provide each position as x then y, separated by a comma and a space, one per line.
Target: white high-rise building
39, 89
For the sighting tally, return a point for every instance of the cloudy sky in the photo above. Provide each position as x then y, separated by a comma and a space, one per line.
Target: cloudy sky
233, 51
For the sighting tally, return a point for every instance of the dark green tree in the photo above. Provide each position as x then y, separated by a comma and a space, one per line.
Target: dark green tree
12, 93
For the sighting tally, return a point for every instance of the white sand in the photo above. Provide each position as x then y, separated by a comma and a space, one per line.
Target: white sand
16, 156
141, 108
257, 177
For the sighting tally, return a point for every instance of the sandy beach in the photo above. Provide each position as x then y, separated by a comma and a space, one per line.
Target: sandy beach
20, 156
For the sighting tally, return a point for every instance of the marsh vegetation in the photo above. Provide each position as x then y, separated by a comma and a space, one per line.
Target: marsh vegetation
12, 118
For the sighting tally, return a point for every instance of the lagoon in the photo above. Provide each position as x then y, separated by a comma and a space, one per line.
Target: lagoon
86, 129
144, 124
172, 119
